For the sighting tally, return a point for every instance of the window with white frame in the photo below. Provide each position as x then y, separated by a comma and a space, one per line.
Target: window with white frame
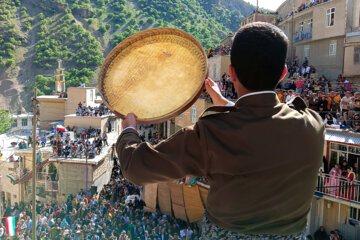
332, 48
354, 213
301, 27
24, 122
310, 23
330, 17
307, 51
357, 55
193, 114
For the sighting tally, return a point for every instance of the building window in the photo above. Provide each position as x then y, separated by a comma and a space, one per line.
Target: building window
24, 122
357, 55
307, 51
91, 95
330, 17
354, 213
301, 27
332, 48
310, 23
193, 114
15, 123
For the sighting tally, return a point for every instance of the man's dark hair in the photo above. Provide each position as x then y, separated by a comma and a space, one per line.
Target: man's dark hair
258, 55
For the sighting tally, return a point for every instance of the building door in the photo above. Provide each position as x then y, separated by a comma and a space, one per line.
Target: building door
331, 215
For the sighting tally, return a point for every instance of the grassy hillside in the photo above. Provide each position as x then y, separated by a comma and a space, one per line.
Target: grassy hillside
34, 34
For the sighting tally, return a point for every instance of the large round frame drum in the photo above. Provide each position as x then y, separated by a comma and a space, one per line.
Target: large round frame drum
156, 74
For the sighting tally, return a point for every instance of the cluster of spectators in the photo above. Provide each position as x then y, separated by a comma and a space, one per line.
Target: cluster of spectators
321, 234
302, 7
338, 104
226, 87
89, 111
149, 133
82, 145
340, 181
109, 215
296, 69
219, 51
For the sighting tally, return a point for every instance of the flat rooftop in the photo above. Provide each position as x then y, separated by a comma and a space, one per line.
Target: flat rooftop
112, 138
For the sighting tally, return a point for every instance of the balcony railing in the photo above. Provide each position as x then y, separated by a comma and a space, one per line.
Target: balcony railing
299, 36
338, 187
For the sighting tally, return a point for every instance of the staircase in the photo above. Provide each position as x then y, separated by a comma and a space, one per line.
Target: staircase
28, 175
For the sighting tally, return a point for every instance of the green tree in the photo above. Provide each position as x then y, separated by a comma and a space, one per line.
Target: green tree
5, 121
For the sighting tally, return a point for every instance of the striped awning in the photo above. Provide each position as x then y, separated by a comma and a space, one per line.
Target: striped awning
342, 136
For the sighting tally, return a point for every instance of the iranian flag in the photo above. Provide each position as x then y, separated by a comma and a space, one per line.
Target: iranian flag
12, 179
10, 226
60, 128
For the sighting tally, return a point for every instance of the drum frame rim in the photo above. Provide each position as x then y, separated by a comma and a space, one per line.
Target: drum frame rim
128, 41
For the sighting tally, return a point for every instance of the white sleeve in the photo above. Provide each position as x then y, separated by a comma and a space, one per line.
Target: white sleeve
230, 104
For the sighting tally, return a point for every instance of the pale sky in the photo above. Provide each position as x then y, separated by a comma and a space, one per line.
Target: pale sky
268, 4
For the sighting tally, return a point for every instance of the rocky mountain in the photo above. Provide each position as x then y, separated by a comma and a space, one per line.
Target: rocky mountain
34, 34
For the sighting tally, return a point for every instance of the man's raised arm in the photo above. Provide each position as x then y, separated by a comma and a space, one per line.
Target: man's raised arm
184, 153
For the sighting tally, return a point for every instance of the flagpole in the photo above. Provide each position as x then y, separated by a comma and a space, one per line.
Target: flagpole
35, 105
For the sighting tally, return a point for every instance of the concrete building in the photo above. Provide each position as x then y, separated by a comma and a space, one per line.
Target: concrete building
14, 193
258, 17
318, 33
336, 202
57, 178
191, 115
22, 124
54, 109
227, 40
352, 42
218, 65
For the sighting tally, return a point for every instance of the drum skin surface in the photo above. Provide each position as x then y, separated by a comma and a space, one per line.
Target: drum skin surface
156, 74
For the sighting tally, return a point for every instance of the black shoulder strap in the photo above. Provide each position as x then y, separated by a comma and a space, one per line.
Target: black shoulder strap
218, 109
297, 103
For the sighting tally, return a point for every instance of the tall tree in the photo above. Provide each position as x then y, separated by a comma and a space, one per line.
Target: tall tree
5, 121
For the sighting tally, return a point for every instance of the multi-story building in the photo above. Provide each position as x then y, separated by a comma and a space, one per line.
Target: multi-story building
318, 30
22, 124
352, 42
336, 202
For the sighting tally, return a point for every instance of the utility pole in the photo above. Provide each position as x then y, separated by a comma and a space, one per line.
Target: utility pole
35, 111
86, 162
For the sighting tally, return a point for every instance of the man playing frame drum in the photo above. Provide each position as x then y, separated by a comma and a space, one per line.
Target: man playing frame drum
261, 180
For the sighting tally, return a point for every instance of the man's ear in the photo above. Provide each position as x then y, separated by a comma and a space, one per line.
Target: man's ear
285, 71
232, 73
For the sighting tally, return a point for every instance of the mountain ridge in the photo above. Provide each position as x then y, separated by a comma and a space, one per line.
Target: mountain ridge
34, 34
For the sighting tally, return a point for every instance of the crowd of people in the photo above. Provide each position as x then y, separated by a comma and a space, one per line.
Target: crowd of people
340, 181
91, 216
338, 105
88, 142
296, 69
302, 7
89, 111
321, 234
219, 51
